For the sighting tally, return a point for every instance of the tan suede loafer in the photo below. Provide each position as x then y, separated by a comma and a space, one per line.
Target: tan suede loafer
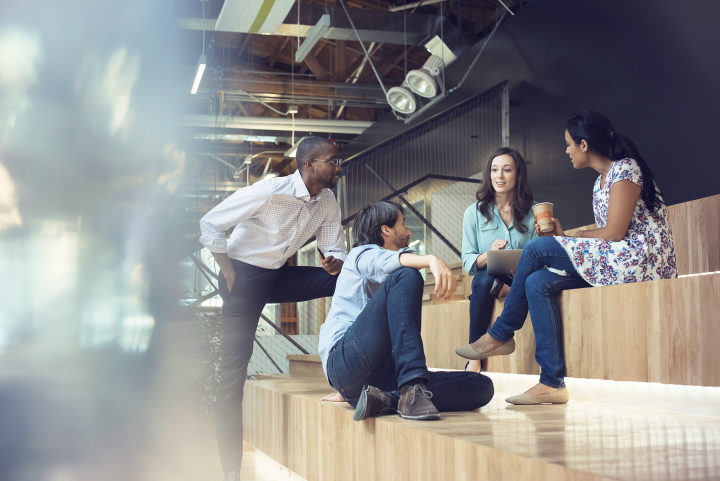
561, 396
468, 352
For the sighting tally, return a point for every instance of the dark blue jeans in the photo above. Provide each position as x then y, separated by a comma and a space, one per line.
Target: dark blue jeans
481, 303
241, 310
534, 289
383, 348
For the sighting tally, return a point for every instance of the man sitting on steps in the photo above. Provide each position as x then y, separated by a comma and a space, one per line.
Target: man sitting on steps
370, 345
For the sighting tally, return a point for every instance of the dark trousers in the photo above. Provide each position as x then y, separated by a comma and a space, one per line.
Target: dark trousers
481, 303
383, 348
241, 310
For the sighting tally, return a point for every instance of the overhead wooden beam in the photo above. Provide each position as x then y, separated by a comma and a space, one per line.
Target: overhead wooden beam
340, 61
315, 67
243, 43
242, 109
318, 49
385, 65
279, 46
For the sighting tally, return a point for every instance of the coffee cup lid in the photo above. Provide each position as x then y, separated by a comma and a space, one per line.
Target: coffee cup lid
541, 203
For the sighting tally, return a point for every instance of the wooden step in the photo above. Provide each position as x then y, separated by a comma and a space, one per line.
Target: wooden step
664, 331
265, 377
578, 441
432, 299
306, 365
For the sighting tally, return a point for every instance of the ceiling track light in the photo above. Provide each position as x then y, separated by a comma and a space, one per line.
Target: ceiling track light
426, 81
202, 63
401, 99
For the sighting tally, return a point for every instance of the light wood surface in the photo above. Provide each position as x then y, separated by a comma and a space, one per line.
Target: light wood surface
578, 441
696, 234
306, 365
664, 331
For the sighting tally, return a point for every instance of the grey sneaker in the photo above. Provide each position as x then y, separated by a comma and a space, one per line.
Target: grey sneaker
415, 403
373, 402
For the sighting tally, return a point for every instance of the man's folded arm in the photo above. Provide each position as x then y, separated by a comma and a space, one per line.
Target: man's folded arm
234, 210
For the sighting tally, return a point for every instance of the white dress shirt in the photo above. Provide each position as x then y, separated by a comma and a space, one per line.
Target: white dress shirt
273, 219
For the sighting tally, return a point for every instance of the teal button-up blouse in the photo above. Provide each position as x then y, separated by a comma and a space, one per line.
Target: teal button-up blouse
478, 236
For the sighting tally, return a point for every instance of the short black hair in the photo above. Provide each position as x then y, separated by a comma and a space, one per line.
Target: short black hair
370, 218
309, 149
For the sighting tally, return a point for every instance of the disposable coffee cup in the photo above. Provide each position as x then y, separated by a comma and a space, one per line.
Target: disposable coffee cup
543, 216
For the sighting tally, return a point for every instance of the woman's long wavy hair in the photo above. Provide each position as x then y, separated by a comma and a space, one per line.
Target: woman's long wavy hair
603, 139
522, 195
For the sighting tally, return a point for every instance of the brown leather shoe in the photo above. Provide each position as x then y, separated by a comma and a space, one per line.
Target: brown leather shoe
415, 403
373, 402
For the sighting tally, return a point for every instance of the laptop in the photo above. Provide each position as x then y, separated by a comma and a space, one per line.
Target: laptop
502, 262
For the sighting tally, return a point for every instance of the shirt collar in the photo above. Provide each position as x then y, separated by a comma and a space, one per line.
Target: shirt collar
301, 191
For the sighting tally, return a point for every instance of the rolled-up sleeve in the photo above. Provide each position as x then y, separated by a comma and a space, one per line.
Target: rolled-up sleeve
330, 235
378, 262
232, 211
470, 248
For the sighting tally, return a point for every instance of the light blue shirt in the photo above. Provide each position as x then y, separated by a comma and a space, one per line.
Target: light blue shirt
364, 271
479, 236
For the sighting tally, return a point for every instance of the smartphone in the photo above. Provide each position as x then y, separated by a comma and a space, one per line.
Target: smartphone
322, 256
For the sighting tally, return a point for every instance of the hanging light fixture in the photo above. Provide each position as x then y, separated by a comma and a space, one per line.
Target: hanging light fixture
401, 99
202, 62
426, 82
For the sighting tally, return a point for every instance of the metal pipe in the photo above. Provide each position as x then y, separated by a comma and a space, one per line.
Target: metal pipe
400, 8
266, 123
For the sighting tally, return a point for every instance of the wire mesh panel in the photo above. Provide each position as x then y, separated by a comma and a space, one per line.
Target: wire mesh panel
456, 143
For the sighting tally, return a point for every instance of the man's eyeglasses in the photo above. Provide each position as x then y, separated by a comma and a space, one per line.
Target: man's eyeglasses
334, 161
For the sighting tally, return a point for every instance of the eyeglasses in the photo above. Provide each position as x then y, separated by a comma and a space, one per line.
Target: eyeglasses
334, 161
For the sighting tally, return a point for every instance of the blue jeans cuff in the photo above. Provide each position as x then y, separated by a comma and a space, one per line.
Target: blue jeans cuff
419, 373
551, 381
497, 334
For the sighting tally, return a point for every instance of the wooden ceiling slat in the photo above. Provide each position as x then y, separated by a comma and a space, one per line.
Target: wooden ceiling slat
243, 43
279, 46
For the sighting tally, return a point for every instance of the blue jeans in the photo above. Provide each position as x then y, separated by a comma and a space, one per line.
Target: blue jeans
481, 303
535, 288
383, 348
254, 286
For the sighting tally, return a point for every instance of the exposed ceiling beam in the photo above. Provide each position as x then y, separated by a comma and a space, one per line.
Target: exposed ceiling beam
340, 60
385, 65
279, 46
243, 43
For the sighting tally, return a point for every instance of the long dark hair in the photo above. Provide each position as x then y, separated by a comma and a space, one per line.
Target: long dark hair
523, 198
603, 139
369, 220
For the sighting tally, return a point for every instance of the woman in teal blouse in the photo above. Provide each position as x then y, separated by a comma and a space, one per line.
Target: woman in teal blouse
501, 218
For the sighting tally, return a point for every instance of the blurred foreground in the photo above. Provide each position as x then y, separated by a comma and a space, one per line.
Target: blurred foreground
95, 353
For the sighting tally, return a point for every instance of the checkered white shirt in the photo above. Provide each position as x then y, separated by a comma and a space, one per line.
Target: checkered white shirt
274, 218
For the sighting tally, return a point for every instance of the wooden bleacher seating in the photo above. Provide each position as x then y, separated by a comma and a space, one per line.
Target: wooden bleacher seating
664, 331
654, 332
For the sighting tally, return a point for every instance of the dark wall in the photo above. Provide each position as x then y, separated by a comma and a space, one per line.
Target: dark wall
651, 66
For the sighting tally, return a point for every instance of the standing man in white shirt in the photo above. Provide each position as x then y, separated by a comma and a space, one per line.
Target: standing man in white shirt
272, 220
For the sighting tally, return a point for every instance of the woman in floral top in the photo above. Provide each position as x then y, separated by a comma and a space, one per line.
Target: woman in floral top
633, 243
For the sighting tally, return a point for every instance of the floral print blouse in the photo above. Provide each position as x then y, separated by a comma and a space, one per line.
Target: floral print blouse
646, 254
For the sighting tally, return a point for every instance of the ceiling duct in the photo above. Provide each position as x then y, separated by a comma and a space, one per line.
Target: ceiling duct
373, 25
280, 124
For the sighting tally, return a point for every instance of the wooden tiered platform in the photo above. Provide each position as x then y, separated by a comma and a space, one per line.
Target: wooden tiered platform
285, 419
664, 331
655, 332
